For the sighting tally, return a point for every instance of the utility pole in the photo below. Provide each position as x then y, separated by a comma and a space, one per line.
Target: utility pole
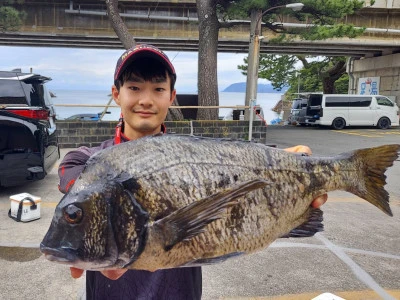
253, 60
254, 52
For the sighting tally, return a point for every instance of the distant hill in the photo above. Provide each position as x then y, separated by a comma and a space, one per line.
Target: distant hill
240, 87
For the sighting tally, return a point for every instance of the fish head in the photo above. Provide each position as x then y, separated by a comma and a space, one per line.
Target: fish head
83, 232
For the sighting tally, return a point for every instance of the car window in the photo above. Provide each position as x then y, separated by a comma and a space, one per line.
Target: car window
35, 97
11, 92
296, 104
336, 101
384, 101
360, 101
27, 91
47, 97
315, 100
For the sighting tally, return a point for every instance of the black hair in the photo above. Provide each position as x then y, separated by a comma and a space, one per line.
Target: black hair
147, 69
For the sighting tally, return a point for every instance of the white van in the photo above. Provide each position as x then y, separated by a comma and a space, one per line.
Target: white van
340, 110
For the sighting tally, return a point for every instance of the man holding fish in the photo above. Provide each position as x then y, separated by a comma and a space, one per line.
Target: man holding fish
143, 87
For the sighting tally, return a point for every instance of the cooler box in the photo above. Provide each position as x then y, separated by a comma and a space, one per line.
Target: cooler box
25, 207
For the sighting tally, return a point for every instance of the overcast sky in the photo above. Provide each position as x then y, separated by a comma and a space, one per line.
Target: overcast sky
90, 69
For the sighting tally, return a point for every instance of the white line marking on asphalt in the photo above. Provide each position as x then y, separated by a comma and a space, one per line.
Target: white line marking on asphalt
362, 275
279, 244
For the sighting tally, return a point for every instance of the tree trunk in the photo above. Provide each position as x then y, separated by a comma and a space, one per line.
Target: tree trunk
328, 85
331, 75
174, 114
207, 61
118, 24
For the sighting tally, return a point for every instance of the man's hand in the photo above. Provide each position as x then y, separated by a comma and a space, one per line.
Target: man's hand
110, 274
320, 200
299, 149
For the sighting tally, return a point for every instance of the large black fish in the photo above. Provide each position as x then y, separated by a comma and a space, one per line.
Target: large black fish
172, 201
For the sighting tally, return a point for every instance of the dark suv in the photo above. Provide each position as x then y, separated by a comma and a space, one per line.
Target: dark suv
28, 137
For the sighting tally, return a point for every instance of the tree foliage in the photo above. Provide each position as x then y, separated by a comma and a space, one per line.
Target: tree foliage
323, 18
10, 18
317, 74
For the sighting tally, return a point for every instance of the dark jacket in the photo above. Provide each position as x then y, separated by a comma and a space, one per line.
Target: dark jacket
179, 283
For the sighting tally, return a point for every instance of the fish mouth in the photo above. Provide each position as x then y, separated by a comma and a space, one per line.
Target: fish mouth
63, 255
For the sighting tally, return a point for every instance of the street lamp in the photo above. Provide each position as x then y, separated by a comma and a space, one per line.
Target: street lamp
298, 83
254, 53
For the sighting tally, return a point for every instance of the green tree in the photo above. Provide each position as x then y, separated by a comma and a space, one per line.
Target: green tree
10, 18
315, 12
327, 74
323, 19
311, 77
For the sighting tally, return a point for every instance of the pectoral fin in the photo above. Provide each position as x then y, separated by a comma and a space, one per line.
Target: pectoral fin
309, 228
189, 221
211, 261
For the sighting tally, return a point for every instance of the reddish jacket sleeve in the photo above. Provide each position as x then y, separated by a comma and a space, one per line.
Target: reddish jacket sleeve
74, 162
71, 166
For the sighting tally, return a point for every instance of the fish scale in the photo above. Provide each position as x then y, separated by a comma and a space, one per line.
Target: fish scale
173, 201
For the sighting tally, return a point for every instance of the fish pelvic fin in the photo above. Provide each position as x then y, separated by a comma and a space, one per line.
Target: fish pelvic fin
190, 221
373, 164
310, 227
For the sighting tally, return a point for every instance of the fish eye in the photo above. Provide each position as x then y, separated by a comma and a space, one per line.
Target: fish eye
73, 214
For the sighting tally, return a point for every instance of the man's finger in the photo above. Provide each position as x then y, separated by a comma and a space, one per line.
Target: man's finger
76, 273
319, 201
299, 149
114, 274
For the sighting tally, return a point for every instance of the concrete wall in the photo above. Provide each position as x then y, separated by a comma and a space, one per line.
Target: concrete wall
72, 134
386, 67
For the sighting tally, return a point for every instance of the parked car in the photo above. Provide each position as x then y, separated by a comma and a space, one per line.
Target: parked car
28, 135
341, 110
87, 117
238, 114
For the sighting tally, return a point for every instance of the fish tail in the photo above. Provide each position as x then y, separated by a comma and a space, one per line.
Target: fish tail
372, 164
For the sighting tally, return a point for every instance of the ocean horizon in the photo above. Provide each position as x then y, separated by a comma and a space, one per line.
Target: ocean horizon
98, 97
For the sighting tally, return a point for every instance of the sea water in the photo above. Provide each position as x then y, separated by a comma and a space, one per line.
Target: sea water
87, 102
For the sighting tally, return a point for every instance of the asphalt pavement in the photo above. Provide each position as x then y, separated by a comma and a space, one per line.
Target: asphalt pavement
356, 257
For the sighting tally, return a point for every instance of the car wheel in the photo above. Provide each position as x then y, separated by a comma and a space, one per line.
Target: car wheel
383, 123
338, 123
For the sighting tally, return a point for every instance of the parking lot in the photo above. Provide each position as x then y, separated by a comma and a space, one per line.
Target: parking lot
356, 257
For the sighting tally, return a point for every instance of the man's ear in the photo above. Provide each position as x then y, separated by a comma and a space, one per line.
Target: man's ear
173, 96
115, 94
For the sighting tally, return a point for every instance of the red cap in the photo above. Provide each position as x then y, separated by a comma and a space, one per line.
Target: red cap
140, 51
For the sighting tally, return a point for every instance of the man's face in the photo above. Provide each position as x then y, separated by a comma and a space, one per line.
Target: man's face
144, 105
